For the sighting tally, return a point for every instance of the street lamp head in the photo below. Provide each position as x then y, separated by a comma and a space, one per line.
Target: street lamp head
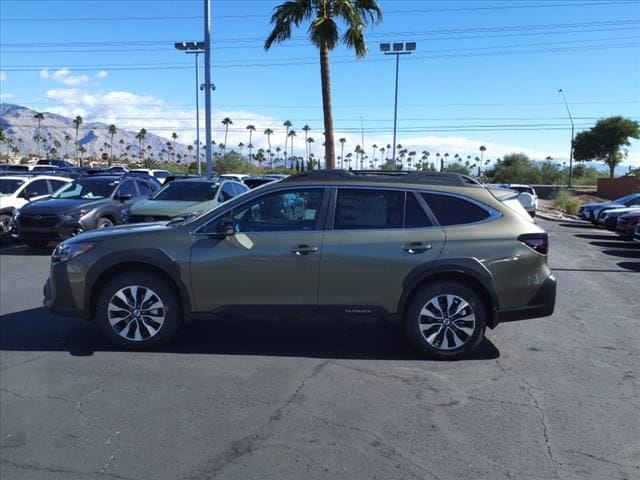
180, 45
397, 47
560, 90
385, 47
410, 46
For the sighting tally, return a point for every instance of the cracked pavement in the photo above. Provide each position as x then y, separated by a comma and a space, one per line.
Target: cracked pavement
552, 398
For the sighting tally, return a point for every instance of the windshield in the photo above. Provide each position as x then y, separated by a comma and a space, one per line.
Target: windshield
187, 192
9, 185
625, 199
89, 188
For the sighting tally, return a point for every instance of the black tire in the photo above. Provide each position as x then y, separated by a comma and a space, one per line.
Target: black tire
37, 244
467, 327
104, 222
5, 226
135, 331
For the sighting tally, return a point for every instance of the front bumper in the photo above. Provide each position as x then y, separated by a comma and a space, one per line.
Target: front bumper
541, 305
52, 230
58, 298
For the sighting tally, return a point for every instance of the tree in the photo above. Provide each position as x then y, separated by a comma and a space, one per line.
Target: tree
325, 34
77, 122
174, 136
112, 132
287, 124
39, 117
251, 129
67, 139
306, 129
268, 132
513, 168
342, 142
606, 141
292, 133
140, 136
226, 121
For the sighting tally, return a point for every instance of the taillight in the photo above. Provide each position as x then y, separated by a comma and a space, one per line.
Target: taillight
537, 241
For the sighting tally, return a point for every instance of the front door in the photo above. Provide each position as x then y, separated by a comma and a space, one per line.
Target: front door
273, 259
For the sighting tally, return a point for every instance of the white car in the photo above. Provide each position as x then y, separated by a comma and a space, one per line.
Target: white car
18, 190
160, 175
238, 177
527, 197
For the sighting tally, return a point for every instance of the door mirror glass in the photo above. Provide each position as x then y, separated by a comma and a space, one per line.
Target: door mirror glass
124, 197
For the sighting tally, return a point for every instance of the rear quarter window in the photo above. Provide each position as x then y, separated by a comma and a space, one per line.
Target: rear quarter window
450, 210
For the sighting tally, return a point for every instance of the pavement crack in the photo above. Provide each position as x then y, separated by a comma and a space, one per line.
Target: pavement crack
545, 428
63, 471
79, 405
33, 397
603, 460
249, 443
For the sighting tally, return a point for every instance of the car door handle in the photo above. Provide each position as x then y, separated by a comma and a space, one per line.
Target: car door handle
416, 247
303, 249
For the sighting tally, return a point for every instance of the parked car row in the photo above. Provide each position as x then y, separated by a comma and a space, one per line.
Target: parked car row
621, 215
39, 209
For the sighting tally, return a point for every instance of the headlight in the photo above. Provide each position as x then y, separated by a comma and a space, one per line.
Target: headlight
80, 213
66, 251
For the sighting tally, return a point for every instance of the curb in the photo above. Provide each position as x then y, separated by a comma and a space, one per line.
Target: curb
557, 218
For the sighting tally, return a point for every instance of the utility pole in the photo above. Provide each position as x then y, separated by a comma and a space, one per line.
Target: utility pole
208, 86
572, 130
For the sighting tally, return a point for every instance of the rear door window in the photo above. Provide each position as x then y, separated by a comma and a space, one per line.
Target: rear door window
363, 208
36, 189
127, 188
451, 210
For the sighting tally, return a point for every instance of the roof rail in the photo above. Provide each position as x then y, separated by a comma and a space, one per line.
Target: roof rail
400, 176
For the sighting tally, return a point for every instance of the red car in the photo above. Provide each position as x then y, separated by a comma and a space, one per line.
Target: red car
627, 224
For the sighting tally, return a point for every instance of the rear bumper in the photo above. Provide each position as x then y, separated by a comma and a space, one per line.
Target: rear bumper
541, 305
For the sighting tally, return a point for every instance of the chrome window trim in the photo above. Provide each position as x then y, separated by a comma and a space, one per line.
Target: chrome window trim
217, 217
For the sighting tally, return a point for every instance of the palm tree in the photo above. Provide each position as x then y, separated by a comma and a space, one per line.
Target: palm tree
67, 139
241, 146
174, 136
375, 147
226, 121
287, 124
251, 129
292, 133
306, 129
324, 34
482, 150
309, 141
268, 132
140, 136
112, 132
77, 122
278, 150
39, 116
342, 142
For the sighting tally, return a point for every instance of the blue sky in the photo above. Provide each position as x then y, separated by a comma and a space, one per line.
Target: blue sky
484, 72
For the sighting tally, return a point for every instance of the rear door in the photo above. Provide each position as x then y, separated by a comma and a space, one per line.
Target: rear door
376, 238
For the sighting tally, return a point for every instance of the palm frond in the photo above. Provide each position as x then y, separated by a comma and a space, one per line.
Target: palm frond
292, 12
323, 32
354, 38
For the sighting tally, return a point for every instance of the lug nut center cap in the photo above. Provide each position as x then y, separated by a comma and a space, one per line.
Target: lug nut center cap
446, 322
136, 313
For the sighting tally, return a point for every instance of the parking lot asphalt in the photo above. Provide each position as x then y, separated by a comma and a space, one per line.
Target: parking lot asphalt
556, 397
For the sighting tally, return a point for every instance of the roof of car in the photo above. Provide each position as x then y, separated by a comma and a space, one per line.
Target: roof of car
380, 176
34, 177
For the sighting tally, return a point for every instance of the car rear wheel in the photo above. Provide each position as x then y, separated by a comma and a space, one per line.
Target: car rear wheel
446, 320
104, 222
138, 311
5, 225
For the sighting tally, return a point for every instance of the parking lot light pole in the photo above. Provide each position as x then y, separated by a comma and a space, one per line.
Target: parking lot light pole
572, 131
396, 49
197, 48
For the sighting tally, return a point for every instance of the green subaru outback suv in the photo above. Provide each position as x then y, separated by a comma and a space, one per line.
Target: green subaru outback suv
437, 254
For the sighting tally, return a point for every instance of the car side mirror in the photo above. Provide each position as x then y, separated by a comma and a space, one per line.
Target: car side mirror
125, 197
227, 227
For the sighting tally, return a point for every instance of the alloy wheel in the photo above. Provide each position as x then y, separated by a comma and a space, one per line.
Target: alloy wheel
447, 322
136, 313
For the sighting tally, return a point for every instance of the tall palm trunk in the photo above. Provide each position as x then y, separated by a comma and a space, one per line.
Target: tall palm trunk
329, 147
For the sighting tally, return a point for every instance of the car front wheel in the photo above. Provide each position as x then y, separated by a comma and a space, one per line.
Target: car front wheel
446, 320
138, 311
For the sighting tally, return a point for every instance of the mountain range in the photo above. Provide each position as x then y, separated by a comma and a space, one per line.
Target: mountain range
21, 128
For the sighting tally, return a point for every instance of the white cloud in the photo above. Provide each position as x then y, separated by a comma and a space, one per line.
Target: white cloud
64, 76
6, 96
129, 111
3, 75
101, 74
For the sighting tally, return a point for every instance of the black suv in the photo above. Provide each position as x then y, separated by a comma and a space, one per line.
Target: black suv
87, 203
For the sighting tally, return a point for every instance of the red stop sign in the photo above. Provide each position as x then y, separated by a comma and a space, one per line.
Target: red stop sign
105, 156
